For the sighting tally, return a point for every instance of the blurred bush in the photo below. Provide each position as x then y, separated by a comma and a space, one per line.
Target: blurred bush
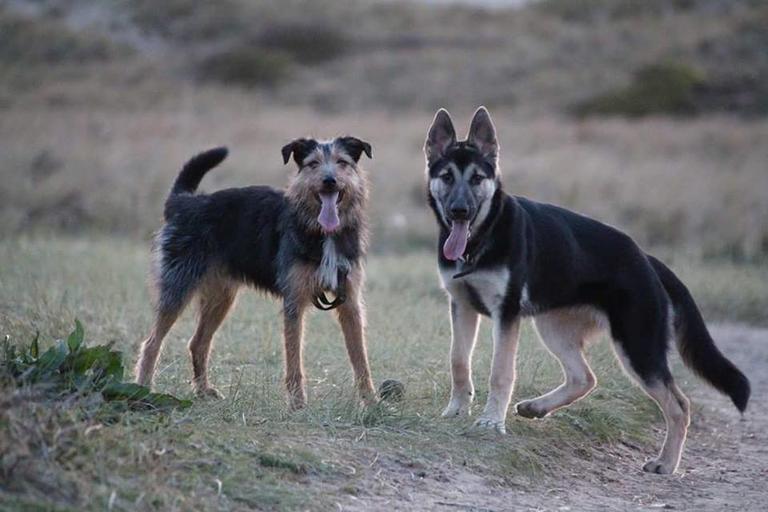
667, 88
612, 10
269, 57
245, 66
187, 20
308, 44
26, 42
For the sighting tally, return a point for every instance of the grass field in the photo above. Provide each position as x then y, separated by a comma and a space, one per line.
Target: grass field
102, 102
247, 451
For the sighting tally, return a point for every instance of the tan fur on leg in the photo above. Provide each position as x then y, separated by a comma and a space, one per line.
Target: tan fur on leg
564, 332
676, 409
302, 281
150, 348
464, 323
216, 297
294, 365
351, 316
502, 380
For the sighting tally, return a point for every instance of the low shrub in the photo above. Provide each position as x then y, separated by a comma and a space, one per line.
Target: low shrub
307, 44
245, 66
667, 88
43, 42
591, 10
187, 21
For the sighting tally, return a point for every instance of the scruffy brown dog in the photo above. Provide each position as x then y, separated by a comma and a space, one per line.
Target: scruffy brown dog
300, 245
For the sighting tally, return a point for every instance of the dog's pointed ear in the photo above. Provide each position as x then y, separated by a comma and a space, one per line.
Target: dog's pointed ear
440, 137
482, 134
355, 147
300, 148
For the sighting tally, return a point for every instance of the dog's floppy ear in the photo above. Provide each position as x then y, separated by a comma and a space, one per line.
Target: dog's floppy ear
482, 134
300, 149
440, 137
355, 147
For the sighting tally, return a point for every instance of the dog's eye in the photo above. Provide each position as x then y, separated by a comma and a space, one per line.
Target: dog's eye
447, 178
476, 179
313, 164
341, 163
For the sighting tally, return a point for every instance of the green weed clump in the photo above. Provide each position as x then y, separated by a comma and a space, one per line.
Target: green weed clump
667, 89
70, 368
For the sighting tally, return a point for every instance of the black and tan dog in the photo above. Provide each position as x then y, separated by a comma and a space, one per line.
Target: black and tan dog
507, 257
299, 245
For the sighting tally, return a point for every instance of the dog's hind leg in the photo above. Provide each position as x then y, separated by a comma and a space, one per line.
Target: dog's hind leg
351, 315
676, 408
464, 323
564, 333
641, 345
674, 405
215, 298
150, 348
177, 276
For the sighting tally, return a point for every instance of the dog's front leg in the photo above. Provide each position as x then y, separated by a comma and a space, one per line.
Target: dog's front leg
464, 323
351, 315
293, 333
505, 336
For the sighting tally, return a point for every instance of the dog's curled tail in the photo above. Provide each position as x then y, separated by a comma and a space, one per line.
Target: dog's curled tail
194, 170
695, 344
191, 175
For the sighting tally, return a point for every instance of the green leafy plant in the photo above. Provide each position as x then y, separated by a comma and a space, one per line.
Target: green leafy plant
69, 367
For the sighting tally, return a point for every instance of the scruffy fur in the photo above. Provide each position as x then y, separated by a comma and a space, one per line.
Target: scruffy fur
575, 275
211, 245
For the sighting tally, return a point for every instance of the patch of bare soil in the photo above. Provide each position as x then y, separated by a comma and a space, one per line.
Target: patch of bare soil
724, 466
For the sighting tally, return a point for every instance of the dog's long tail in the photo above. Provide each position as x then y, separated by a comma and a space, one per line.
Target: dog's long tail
695, 344
194, 170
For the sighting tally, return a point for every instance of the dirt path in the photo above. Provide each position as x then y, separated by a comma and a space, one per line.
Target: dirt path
724, 466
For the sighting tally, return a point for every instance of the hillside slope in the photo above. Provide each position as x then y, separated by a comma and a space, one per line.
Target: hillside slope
340, 55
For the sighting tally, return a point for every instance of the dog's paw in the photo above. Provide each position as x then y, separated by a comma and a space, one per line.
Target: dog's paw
296, 403
492, 424
529, 409
456, 408
659, 467
208, 393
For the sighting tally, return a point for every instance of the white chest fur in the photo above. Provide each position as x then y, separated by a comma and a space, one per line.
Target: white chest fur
331, 262
490, 285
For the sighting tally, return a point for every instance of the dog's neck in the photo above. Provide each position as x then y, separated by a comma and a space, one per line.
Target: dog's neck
482, 236
332, 263
311, 245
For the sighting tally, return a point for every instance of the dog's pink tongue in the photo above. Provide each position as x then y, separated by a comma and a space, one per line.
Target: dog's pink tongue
329, 213
456, 243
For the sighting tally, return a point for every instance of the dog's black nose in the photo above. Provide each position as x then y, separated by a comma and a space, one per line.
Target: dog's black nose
460, 212
329, 181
